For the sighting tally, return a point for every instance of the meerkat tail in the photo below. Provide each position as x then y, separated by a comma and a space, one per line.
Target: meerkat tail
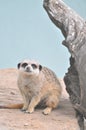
12, 106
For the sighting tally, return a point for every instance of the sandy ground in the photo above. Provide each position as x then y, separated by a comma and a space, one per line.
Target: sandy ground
62, 118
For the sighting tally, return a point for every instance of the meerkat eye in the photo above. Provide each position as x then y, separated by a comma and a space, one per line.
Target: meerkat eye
24, 65
34, 66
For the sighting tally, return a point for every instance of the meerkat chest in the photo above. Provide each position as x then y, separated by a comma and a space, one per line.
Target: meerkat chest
32, 85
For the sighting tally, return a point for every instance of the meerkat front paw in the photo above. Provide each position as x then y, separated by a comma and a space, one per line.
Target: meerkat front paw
30, 110
47, 110
24, 108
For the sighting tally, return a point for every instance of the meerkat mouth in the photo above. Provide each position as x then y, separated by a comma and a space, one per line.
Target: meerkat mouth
28, 71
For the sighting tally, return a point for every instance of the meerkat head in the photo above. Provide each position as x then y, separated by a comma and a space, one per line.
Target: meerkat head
30, 67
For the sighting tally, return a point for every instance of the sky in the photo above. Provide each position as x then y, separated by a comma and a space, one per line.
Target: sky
26, 32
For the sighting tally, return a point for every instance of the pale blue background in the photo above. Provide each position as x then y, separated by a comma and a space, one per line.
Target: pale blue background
27, 32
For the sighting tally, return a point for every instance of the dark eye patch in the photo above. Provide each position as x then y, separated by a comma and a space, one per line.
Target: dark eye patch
24, 65
34, 66
18, 65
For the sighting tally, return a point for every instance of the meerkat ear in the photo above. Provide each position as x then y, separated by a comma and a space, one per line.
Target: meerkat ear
40, 67
18, 65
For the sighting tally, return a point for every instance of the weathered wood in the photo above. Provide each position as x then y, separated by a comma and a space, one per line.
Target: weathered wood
73, 28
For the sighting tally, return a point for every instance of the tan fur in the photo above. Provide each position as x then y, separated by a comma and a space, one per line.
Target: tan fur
43, 89
12, 106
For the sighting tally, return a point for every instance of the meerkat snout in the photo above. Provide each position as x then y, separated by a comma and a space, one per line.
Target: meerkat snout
28, 69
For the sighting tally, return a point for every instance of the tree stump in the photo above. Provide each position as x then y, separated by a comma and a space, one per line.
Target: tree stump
73, 28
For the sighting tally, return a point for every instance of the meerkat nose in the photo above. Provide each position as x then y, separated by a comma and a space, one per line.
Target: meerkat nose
28, 69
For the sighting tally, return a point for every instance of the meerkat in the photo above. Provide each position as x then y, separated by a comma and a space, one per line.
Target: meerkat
38, 85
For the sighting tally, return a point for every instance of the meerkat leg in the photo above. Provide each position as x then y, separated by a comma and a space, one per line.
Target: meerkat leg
34, 102
51, 103
26, 102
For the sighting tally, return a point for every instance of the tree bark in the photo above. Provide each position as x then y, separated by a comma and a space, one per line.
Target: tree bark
73, 28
